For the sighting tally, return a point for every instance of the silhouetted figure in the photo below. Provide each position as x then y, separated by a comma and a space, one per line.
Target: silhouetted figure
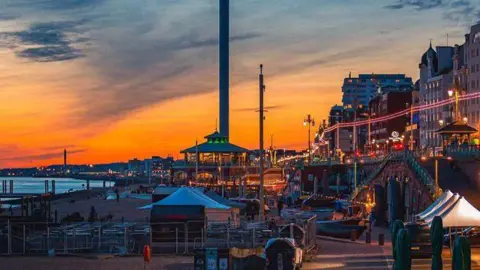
256, 207
93, 214
118, 195
280, 207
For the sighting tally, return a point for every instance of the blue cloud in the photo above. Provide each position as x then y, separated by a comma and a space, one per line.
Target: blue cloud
418, 4
47, 42
55, 5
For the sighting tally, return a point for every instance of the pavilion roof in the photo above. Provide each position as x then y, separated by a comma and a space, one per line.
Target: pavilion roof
215, 147
457, 128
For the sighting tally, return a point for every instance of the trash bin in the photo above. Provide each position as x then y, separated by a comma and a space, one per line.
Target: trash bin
211, 259
280, 254
199, 259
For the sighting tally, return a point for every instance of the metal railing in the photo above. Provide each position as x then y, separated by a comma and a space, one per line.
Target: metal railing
371, 176
463, 151
22, 238
420, 171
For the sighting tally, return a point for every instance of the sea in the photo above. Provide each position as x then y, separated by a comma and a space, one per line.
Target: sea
33, 185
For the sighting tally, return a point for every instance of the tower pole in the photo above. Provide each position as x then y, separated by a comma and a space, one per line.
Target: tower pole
262, 157
224, 65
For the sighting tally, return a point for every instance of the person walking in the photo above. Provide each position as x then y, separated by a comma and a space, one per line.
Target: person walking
280, 207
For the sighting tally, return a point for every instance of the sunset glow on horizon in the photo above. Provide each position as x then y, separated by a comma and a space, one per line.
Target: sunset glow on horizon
110, 80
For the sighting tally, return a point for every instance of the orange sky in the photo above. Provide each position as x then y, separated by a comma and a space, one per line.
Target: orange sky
111, 80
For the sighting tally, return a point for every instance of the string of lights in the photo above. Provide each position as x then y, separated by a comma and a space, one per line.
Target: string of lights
418, 108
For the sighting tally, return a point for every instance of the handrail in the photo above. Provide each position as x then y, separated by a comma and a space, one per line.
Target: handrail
421, 172
371, 176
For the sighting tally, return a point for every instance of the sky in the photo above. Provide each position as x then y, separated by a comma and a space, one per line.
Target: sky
110, 80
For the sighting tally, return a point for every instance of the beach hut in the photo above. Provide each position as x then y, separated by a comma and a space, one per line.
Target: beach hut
436, 204
186, 196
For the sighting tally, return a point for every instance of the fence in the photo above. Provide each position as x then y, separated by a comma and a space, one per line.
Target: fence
21, 238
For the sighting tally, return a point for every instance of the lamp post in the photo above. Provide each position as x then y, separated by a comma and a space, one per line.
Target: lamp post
262, 157
310, 122
450, 94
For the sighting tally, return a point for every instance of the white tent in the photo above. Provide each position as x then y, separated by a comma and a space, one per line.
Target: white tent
187, 196
440, 210
436, 204
461, 214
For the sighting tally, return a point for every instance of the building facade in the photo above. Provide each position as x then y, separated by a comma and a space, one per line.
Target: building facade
471, 50
382, 105
437, 72
367, 86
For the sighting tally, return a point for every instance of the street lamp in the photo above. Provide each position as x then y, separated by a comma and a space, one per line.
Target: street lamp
311, 122
450, 94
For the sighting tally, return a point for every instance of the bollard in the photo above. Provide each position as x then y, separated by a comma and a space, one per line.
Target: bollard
186, 238
24, 240
11, 186
368, 237
48, 238
53, 186
9, 237
176, 240
228, 237
381, 239
151, 235
125, 239
353, 235
46, 186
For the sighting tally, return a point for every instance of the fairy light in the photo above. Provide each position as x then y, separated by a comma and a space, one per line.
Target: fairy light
392, 116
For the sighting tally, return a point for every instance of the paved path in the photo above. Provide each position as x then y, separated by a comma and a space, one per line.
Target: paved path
75, 263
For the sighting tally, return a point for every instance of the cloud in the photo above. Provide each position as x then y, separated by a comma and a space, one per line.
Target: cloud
460, 11
44, 156
418, 4
47, 42
60, 147
9, 17
55, 5
252, 109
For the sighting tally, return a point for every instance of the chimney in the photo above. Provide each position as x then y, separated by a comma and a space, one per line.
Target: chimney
64, 161
224, 71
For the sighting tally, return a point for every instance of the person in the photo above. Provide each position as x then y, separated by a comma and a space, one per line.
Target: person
280, 207
256, 208
93, 214
272, 226
118, 195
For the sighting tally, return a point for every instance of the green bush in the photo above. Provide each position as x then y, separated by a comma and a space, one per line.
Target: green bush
461, 258
436, 237
403, 253
397, 226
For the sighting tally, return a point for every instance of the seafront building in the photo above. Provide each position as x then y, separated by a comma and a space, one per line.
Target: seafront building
358, 91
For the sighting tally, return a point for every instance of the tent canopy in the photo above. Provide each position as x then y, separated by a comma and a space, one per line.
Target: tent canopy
440, 210
188, 196
224, 201
461, 214
436, 204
